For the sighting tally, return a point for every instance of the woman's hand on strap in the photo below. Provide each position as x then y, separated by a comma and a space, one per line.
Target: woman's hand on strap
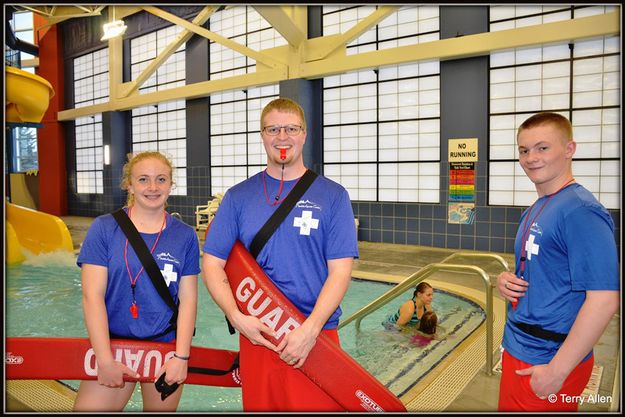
175, 370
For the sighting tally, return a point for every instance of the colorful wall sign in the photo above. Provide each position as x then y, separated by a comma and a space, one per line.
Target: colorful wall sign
462, 159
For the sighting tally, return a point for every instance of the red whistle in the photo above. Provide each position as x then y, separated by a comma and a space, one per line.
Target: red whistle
134, 310
514, 303
283, 154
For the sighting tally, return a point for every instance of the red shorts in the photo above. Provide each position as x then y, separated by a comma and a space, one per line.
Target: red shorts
516, 394
269, 384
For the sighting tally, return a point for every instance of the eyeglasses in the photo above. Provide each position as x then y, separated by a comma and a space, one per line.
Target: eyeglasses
290, 130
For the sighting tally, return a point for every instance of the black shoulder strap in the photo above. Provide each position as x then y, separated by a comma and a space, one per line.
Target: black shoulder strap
141, 249
276, 219
210, 371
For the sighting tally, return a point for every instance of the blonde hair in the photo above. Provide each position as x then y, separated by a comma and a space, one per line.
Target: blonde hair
283, 105
543, 118
133, 159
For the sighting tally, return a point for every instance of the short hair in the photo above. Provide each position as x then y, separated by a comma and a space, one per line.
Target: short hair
428, 322
543, 118
133, 159
283, 105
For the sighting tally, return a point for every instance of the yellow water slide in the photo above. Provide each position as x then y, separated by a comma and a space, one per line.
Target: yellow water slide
34, 231
27, 96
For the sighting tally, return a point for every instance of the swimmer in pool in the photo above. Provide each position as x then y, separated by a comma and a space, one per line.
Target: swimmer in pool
427, 330
411, 311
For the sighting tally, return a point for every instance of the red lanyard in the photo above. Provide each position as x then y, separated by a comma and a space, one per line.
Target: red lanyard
277, 199
526, 228
134, 310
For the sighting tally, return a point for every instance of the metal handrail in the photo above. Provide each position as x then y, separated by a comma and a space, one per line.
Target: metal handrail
421, 275
400, 288
478, 255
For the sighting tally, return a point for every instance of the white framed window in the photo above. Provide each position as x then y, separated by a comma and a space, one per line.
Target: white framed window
580, 80
91, 86
236, 149
243, 25
382, 127
23, 27
161, 127
25, 156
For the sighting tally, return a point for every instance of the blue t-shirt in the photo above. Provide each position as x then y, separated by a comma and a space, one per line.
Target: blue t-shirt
570, 250
177, 254
320, 227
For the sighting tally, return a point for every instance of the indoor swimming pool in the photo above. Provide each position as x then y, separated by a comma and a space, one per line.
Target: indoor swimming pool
43, 298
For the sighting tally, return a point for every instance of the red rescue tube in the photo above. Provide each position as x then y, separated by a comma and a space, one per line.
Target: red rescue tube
74, 358
327, 365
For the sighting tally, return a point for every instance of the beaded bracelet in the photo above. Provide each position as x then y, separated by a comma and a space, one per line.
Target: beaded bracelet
184, 358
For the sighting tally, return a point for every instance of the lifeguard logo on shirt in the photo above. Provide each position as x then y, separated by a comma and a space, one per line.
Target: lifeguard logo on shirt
306, 222
307, 204
531, 247
169, 275
167, 257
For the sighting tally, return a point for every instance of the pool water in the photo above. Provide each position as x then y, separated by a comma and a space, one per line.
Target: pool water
393, 357
43, 298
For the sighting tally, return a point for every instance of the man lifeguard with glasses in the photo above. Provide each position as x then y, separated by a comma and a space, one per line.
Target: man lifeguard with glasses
309, 258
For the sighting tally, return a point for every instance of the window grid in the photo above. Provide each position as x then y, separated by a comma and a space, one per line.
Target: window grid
243, 25
23, 28
89, 155
91, 82
236, 148
25, 157
161, 126
382, 127
24, 138
91, 86
579, 81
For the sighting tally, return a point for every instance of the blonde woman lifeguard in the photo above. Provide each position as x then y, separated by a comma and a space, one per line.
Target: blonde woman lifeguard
119, 298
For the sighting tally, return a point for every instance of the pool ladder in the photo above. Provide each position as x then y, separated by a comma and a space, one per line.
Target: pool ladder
429, 270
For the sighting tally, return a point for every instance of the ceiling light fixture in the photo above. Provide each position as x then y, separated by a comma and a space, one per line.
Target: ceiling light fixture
114, 28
